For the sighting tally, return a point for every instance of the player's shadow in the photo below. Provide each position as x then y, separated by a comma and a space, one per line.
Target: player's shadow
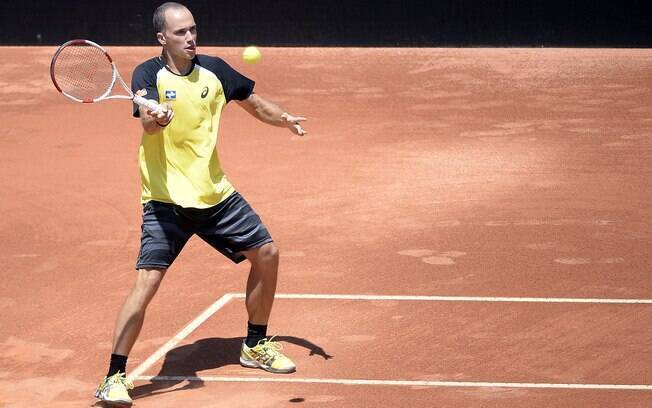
205, 354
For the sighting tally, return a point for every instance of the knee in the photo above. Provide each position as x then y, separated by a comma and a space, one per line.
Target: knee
268, 254
149, 279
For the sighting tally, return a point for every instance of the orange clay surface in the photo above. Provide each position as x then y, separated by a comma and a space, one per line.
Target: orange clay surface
473, 172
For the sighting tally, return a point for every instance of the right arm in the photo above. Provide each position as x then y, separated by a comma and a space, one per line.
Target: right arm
143, 83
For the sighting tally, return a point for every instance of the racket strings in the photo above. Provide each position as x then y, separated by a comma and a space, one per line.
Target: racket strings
83, 71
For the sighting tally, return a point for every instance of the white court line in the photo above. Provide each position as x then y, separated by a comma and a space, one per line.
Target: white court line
221, 302
190, 327
467, 384
454, 298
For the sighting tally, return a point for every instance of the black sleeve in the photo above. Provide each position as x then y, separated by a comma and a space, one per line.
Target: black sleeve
144, 77
236, 86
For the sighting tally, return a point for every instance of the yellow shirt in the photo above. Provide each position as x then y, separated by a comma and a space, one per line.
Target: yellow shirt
179, 163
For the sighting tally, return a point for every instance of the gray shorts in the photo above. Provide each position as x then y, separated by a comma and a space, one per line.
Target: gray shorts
231, 227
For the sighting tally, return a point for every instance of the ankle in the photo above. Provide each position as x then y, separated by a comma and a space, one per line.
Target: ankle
255, 333
117, 364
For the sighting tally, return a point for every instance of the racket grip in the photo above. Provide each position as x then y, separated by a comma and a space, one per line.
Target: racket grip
148, 103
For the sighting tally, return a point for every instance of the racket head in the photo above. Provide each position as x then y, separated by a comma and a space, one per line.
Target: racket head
83, 71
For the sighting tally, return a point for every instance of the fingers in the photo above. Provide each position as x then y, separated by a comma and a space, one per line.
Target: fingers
297, 129
294, 123
292, 119
296, 119
157, 114
163, 115
166, 117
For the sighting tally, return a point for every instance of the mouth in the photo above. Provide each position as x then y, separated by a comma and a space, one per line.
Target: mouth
191, 48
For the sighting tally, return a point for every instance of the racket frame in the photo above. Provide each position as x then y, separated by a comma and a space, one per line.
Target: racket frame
148, 103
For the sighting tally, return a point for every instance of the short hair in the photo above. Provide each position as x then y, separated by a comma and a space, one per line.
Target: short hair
159, 14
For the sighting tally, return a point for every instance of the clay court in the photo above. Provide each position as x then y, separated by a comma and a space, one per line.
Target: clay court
459, 228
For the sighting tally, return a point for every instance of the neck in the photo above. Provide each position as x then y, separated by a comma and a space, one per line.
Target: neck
179, 66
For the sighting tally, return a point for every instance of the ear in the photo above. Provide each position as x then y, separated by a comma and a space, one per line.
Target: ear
160, 38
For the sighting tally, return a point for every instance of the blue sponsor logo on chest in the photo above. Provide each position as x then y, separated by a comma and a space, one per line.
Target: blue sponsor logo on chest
170, 95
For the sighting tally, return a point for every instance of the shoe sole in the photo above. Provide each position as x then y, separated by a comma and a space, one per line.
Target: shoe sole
256, 364
115, 403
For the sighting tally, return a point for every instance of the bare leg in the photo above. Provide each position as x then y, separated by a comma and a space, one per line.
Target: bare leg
261, 284
132, 314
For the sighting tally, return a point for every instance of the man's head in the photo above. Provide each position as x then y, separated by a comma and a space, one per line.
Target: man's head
176, 30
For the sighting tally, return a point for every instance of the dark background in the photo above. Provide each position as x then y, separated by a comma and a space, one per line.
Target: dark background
341, 23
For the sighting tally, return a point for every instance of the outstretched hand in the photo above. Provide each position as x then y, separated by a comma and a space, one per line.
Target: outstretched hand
294, 123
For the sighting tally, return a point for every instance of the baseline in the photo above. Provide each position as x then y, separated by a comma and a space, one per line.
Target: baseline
454, 298
415, 383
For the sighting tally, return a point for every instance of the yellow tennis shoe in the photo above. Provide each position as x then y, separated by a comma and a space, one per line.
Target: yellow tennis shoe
266, 355
114, 390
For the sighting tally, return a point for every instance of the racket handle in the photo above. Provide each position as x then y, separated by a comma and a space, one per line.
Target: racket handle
148, 103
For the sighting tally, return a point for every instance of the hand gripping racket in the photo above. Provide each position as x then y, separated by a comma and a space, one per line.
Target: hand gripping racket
84, 72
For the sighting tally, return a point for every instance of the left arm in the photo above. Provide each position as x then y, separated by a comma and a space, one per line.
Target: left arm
272, 114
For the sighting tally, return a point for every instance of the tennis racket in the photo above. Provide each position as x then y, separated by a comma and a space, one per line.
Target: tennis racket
84, 72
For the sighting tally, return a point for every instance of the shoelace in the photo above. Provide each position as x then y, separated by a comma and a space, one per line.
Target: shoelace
122, 379
269, 347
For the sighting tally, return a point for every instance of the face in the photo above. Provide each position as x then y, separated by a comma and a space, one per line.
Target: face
179, 37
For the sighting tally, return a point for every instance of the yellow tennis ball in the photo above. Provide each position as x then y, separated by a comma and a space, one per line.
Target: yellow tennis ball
251, 54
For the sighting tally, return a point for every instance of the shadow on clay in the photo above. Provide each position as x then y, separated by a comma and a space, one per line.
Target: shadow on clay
205, 354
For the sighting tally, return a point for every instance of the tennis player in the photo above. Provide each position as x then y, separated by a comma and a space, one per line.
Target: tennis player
185, 191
